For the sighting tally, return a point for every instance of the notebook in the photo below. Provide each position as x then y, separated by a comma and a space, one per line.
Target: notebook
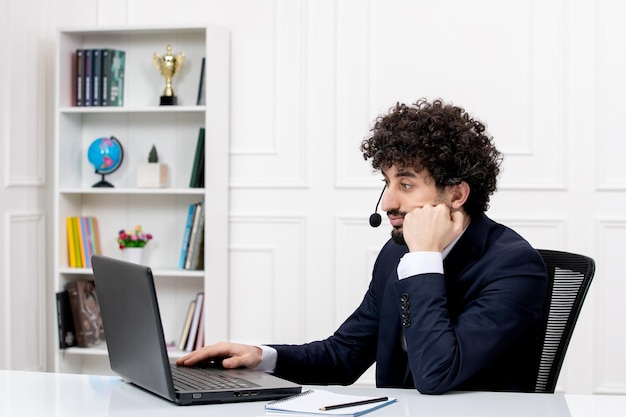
137, 350
318, 401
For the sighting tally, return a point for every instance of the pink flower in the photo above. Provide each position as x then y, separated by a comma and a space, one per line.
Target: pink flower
134, 238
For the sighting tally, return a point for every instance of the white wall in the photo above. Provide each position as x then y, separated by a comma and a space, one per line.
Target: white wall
308, 79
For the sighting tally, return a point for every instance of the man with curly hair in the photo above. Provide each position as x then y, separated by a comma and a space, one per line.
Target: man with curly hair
455, 298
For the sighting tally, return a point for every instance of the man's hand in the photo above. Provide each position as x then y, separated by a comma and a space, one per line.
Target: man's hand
236, 355
432, 227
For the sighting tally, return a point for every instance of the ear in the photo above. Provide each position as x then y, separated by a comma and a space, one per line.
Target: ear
460, 193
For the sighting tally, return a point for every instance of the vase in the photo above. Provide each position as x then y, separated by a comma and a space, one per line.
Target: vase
133, 255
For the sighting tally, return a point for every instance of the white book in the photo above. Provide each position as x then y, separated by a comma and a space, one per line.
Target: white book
324, 402
193, 330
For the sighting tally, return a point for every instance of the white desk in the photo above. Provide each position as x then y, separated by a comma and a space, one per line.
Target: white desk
49, 394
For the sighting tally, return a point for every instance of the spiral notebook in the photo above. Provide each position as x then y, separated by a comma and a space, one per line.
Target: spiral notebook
322, 402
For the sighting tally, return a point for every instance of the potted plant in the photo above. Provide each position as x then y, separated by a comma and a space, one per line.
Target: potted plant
132, 242
153, 174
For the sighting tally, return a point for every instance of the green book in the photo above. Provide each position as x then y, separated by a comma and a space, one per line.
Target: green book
112, 80
104, 76
197, 171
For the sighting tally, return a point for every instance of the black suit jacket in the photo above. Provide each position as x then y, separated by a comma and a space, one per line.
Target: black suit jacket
473, 328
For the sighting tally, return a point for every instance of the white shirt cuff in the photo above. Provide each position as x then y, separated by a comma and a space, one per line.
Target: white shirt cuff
414, 263
268, 363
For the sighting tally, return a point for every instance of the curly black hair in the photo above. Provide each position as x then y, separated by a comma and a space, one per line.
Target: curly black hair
441, 138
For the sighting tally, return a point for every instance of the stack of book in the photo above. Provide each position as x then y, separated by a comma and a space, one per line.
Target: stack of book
99, 77
192, 336
78, 315
192, 251
83, 240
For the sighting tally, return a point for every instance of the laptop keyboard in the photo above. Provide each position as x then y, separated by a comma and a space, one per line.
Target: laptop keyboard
186, 378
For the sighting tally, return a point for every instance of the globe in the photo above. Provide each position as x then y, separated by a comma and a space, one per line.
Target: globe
106, 155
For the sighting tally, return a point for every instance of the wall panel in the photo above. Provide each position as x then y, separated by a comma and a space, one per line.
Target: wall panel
508, 71
609, 289
267, 278
24, 156
25, 280
353, 269
611, 87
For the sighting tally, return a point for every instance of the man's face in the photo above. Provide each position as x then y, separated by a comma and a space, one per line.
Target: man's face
406, 190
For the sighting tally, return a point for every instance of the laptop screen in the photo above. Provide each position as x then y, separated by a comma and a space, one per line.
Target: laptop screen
132, 324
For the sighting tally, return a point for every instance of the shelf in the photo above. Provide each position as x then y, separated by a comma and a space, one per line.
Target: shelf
149, 109
158, 272
101, 350
140, 124
134, 191
149, 30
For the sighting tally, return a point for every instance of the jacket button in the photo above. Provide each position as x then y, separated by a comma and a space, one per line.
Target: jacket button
404, 297
406, 322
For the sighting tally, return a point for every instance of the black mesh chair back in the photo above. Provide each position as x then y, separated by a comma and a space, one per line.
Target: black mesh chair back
569, 278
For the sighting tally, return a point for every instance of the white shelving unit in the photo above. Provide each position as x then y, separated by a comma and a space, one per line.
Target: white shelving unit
138, 125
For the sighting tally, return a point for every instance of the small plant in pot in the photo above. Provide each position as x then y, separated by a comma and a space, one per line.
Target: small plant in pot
153, 174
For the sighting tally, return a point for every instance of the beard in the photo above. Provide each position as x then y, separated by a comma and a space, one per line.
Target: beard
396, 233
397, 236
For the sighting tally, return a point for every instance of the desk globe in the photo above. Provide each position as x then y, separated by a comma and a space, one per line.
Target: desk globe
106, 155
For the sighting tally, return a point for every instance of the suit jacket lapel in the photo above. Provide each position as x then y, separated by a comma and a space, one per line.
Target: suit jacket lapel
469, 247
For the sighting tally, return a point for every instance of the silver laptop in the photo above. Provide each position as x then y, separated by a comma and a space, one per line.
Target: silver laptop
137, 351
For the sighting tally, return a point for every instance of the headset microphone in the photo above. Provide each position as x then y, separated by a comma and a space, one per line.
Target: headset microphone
375, 218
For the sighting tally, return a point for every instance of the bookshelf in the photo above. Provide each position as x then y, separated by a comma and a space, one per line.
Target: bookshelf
140, 123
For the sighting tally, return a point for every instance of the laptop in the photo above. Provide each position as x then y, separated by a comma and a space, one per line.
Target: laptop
137, 350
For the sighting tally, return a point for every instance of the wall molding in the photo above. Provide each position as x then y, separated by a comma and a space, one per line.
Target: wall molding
609, 376
18, 241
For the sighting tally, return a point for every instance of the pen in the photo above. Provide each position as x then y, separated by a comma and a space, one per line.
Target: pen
352, 404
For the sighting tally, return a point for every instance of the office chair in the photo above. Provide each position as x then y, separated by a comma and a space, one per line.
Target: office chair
569, 278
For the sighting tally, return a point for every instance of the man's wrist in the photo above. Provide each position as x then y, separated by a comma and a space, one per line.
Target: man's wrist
415, 263
268, 360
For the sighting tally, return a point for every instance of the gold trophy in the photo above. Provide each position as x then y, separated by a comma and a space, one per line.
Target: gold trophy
168, 65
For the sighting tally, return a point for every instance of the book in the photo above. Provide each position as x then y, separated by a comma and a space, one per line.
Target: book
80, 77
116, 74
186, 235
71, 250
198, 221
76, 239
91, 247
198, 162
96, 77
197, 260
193, 330
85, 313
187, 325
65, 320
95, 235
78, 233
317, 401
83, 242
200, 101
200, 336
88, 77
104, 76
200, 174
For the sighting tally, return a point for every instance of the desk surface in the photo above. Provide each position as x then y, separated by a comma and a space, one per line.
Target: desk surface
49, 394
